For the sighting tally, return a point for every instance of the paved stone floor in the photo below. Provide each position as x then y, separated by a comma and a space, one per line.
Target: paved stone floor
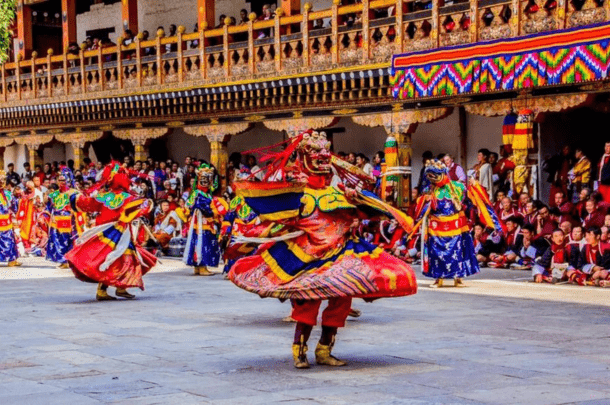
193, 340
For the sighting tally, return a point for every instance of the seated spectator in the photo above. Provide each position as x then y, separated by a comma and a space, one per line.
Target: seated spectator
456, 172
497, 202
531, 214
545, 224
592, 260
566, 227
524, 198
166, 223
575, 242
565, 207
508, 210
554, 262
580, 212
594, 217
513, 244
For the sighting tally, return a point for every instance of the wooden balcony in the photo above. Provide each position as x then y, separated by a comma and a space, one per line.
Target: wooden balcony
357, 37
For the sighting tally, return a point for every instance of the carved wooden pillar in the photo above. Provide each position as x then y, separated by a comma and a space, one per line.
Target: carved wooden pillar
219, 156
2, 150
405, 153
68, 22
35, 155
24, 29
130, 16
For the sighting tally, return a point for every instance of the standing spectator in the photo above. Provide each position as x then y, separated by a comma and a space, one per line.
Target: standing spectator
456, 172
363, 163
28, 174
11, 176
422, 182
483, 172
503, 169
603, 177
558, 168
243, 17
580, 175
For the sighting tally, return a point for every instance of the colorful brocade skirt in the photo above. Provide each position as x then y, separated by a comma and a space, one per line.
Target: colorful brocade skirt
449, 248
60, 239
107, 254
358, 269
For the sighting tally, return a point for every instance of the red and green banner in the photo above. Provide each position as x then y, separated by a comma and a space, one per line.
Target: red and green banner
568, 56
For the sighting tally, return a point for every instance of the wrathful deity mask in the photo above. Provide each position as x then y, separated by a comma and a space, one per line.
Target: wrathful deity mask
314, 151
435, 171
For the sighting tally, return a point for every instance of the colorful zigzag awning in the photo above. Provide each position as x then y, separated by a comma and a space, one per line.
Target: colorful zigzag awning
568, 56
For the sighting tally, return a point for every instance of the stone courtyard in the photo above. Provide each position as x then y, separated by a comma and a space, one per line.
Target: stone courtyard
190, 340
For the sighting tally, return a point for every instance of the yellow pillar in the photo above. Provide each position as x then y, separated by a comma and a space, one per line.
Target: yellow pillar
35, 155
141, 150
219, 157
405, 152
79, 154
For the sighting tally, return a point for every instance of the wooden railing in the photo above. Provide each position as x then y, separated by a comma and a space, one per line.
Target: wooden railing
363, 34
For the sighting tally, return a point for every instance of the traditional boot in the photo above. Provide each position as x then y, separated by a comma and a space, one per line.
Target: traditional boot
457, 282
323, 356
196, 271
14, 263
437, 284
64, 266
121, 292
102, 294
289, 318
299, 354
354, 313
203, 271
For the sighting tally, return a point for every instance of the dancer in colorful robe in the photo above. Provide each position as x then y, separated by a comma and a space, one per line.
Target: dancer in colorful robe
317, 258
107, 253
207, 212
240, 221
63, 227
447, 245
8, 207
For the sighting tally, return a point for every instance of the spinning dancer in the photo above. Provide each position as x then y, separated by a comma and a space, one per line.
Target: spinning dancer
447, 245
202, 248
107, 253
317, 257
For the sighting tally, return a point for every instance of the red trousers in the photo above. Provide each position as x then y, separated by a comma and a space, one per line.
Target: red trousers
333, 316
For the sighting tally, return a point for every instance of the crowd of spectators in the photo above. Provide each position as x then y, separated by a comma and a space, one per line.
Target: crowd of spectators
564, 240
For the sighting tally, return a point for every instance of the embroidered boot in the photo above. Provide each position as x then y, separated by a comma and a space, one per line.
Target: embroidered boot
457, 282
14, 263
323, 356
203, 271
121, 292
299, 354
102, 294
196, 271
437, 284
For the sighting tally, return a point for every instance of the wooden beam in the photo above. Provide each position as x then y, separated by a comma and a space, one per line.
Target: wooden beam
68, 22
206, 12
291, 7
24, 29
130, 16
